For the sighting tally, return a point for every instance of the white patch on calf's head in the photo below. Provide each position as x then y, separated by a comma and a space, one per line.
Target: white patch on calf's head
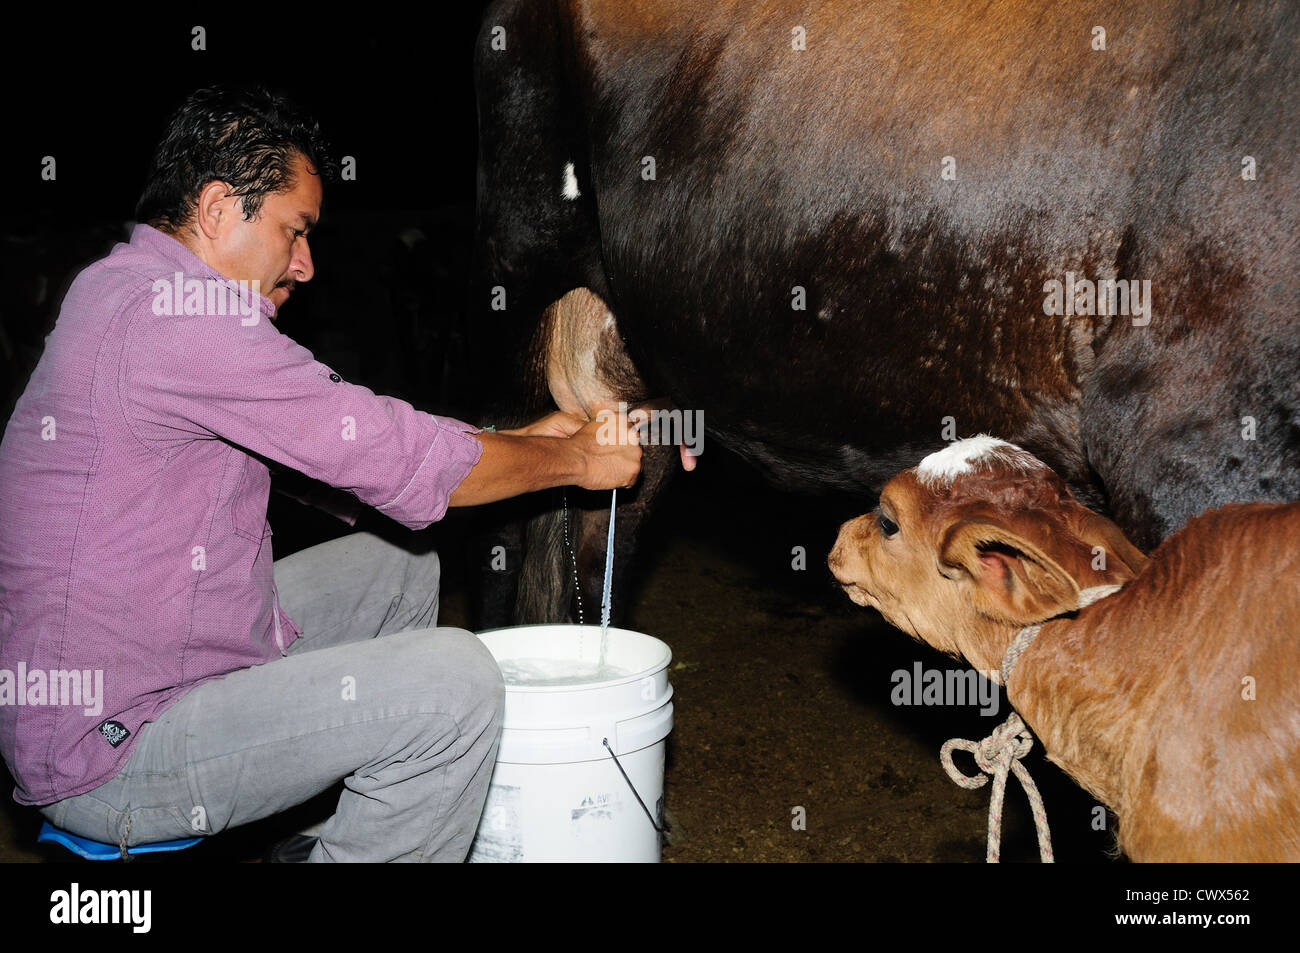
569, 188
965, 456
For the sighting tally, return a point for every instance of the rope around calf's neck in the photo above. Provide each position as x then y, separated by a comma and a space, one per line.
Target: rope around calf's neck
1030, 632
1001, 751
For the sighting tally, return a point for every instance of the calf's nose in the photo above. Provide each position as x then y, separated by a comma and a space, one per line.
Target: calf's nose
845, 543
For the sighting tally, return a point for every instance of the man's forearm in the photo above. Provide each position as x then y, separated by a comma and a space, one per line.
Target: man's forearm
512, 464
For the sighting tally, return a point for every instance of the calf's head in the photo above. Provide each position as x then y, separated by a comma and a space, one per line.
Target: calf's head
979, 540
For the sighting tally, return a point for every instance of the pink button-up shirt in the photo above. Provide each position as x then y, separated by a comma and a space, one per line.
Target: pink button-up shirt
135, 555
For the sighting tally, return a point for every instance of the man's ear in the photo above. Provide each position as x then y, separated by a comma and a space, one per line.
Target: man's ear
1012, 580
212, 205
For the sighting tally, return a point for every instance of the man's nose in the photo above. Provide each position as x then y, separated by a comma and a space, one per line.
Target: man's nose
301, 265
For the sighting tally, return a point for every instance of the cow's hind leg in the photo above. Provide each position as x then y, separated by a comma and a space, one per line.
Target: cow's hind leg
534, 242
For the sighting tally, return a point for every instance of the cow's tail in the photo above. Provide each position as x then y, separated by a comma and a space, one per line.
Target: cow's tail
546, 582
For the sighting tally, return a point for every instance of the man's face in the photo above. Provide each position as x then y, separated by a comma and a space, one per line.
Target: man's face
271, 248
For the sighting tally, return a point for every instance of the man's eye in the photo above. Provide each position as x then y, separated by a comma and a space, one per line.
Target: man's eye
887, 526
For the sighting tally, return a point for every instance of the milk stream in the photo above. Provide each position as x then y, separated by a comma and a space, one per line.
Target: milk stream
607, 601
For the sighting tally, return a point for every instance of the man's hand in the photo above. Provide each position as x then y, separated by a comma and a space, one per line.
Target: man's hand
611, 450
562, 424
599, 454
558, 424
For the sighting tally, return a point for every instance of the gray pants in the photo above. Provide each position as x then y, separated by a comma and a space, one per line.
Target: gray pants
409, 720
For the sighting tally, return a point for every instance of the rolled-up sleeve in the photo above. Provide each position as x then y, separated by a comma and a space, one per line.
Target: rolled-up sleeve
184, 376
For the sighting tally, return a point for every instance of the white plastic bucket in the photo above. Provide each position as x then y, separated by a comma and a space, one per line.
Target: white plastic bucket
556, 792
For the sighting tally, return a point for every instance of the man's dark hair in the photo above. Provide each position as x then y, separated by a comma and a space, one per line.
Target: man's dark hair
247, 138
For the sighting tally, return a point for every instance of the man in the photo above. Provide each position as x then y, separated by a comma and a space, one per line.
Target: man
157, 686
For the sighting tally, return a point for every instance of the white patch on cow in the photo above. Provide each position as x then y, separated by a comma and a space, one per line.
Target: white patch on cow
963, 456
411, 237
570, 188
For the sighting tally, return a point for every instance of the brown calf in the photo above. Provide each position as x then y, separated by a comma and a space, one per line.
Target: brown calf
1176, 701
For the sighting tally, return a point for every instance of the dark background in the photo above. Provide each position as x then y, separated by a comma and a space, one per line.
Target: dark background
393, 248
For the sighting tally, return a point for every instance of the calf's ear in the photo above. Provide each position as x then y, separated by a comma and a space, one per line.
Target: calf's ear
1011, 579
1095, 530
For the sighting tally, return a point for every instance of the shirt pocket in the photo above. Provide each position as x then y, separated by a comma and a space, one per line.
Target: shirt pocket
248, 508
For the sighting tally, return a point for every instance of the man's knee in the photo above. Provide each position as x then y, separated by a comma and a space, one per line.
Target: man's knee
454, 669
482, 673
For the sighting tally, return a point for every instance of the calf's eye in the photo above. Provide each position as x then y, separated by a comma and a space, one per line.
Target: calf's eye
887, 526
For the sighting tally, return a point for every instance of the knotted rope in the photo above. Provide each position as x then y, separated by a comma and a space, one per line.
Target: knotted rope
997, 755
1000, 753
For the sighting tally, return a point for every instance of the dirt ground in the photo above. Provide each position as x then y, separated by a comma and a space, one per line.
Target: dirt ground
782, 700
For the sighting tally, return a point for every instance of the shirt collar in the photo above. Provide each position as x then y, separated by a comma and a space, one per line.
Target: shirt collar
159, 243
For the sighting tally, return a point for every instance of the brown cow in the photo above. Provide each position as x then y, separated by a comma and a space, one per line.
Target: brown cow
835, 229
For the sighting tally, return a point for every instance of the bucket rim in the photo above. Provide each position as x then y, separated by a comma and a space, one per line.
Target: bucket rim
648, 672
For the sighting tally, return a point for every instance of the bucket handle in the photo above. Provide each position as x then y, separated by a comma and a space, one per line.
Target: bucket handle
605, 742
